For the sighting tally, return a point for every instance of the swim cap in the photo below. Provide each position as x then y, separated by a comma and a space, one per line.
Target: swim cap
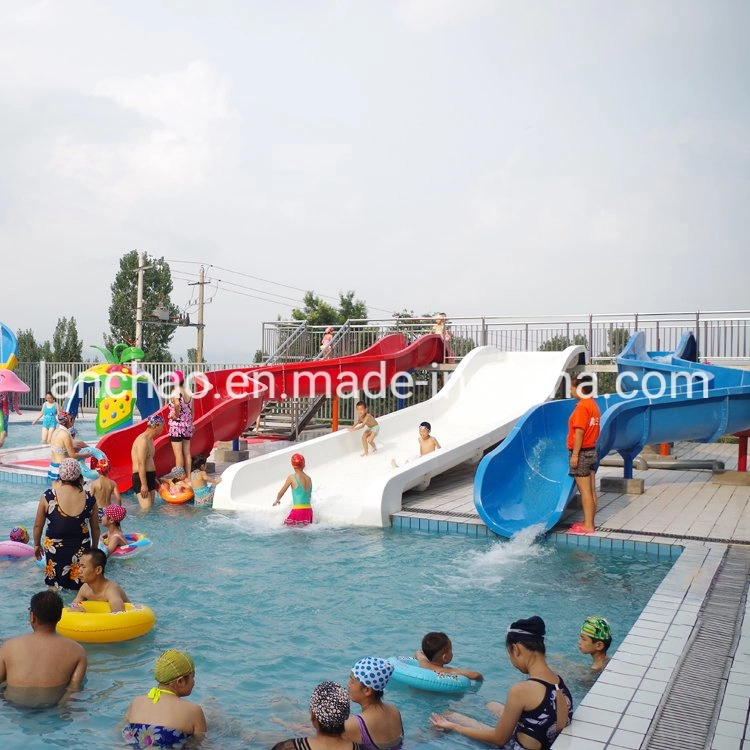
373, 672
329, 704
179, 376
172, 665
155, 420
329, 329
69, 470
597, 628
65, 418
115, 512
19, 534
298, 461
177, 473
102, 466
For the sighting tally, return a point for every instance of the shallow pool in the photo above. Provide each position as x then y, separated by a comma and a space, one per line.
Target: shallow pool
267, 613
24, 434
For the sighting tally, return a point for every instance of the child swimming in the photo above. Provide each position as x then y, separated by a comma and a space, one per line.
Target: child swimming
595, 638
203, 484
437, 651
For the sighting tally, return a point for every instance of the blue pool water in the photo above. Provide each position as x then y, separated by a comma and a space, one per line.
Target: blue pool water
23, 434
268, 613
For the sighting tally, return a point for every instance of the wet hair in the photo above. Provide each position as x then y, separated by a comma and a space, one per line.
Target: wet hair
529, 633
433, 643
47, 607
426, 425
97, 557
199, 462
361, 403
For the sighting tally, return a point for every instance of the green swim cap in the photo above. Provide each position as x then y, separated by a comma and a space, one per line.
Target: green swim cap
596, 627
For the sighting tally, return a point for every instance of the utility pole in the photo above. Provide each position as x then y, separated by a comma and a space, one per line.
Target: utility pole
139, 304
201, 283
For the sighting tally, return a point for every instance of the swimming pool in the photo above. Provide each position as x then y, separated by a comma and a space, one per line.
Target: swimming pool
267, 613
23, 434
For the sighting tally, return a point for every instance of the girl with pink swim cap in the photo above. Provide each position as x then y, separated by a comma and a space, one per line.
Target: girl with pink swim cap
301, 484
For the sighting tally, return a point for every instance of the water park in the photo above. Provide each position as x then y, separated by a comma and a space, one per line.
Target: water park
452, 507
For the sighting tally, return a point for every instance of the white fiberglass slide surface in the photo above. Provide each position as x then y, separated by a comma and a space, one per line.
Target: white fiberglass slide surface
477, 408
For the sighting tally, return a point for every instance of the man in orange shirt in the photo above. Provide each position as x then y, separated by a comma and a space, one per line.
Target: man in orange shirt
583, 432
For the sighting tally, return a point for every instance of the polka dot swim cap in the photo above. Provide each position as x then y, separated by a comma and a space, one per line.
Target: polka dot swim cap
70, 470
373, 672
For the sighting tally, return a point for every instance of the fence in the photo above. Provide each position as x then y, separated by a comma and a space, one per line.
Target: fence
723, 338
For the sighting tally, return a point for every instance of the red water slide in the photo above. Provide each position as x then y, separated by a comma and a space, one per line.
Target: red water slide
233, 398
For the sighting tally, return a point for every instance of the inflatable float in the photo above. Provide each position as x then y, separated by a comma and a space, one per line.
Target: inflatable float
98, 625
93, 456
407, 671
137, 543
180, 499
9, 548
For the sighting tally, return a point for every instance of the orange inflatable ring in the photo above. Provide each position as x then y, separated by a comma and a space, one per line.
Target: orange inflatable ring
183, 497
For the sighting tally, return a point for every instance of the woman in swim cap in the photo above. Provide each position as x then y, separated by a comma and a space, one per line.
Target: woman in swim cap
161, 718
301, 484
536, 710
379, 726
329, 710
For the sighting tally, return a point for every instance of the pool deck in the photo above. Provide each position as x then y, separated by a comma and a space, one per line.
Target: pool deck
637, 701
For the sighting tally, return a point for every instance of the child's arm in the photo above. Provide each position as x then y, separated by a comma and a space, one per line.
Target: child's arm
209, 480
434, 440
470, 673
286, 486
116, 494
358, 424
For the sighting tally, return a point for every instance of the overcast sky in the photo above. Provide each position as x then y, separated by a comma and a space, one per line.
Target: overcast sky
475, 156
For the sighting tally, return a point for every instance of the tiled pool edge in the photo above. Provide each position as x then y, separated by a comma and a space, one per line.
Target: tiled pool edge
618, 710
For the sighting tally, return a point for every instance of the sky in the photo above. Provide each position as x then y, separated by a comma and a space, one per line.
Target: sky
479, 157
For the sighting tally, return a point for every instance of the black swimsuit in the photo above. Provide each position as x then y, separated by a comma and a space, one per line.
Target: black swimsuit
540, 723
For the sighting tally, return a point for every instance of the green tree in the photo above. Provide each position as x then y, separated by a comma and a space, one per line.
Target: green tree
31, 351
259, 357
157, 286
319, 313
559, 343
617, 337
66, 346
192, 356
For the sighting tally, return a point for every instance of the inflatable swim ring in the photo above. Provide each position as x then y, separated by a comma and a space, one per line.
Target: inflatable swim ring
9, 548
92, 452
183, 497
407, 671
98, 625
137, 543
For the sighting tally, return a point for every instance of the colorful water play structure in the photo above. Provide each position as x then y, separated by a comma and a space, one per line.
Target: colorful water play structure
118, 389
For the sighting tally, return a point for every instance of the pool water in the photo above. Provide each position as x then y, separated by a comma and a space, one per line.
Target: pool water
267, 613
24, 434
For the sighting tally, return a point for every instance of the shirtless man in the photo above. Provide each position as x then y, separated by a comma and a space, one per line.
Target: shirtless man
41, 667
142, 455
97, 588
61, 445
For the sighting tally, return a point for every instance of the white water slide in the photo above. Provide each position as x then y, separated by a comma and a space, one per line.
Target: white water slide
485, 395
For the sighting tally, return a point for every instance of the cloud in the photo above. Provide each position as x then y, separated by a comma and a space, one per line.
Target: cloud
40, 12
182, 114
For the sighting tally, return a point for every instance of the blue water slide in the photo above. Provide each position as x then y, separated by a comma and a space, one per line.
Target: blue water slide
8, 346
524, 481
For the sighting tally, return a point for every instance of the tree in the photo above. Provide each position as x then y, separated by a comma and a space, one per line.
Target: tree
319, 313
260, 357
192, 356
31, 351
66, 346
157, 286
618, 337
559, 343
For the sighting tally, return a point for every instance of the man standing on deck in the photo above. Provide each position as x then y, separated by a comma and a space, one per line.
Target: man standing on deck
583, 432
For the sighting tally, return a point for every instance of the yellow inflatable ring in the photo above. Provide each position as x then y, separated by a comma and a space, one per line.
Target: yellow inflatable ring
183, 497
98, 625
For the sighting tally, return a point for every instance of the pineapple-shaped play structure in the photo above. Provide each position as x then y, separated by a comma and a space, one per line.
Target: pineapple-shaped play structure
115, 389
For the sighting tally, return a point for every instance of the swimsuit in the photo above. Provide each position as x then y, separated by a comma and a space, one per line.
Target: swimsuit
53, 472
49, 416
182, 427
369, 744
202, 495
67, 538
301, 513
301, 743
375, 429
150, 481
540, 723
144, 736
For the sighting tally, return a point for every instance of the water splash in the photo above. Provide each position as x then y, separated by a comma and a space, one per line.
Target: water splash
487, 569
